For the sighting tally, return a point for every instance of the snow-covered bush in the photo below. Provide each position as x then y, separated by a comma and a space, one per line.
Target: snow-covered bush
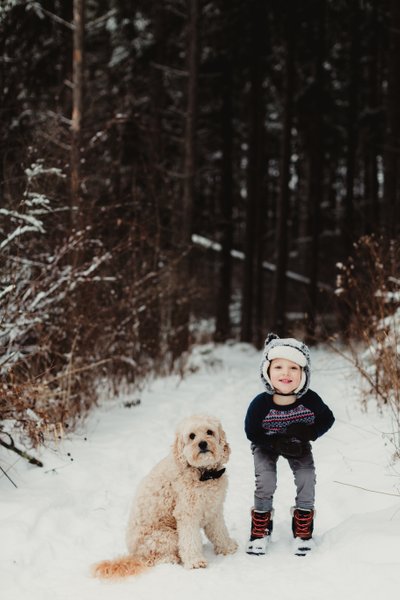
82, 312
368, 289
39, 323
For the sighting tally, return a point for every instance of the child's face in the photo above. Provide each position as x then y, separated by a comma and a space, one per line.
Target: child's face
285, 375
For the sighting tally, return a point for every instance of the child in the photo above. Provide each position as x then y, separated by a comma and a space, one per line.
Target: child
281, 422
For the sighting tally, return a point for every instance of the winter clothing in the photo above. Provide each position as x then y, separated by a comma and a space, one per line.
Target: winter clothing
276, 430
261, 523
265, 420
261, 528
286, 430
290, 349
289, 447
265, 467
302, 432
258, 546
303, 523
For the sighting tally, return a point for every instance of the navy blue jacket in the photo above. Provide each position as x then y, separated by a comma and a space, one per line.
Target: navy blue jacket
265, 419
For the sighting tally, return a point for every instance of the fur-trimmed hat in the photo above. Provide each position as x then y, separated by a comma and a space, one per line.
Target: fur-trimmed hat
290, 349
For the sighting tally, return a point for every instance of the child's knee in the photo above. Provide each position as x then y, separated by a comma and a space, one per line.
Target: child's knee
305, 475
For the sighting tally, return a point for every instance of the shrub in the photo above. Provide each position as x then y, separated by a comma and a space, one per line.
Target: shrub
368, 289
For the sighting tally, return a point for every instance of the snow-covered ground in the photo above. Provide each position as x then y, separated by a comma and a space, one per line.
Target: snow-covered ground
71, 513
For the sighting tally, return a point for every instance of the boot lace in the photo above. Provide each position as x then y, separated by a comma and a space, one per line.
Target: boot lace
303, 521
260, 524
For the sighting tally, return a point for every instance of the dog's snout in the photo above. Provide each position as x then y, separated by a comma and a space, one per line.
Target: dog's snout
203, 445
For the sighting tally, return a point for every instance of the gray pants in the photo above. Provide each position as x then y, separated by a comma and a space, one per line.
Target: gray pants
266, 479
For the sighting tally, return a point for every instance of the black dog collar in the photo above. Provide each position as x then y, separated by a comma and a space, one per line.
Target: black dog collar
211, 474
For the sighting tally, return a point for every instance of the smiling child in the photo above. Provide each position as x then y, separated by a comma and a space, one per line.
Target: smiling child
281, 422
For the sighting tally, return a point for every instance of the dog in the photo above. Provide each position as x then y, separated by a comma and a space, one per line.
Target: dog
182, 494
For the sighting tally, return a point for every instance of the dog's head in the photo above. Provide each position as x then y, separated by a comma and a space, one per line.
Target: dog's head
201, 442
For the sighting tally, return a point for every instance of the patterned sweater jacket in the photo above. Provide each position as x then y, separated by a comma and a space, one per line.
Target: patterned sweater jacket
264, 418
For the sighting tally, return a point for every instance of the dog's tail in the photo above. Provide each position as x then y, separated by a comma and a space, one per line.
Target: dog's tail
119, 567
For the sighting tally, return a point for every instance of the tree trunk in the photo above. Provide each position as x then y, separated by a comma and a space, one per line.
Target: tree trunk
371, 151
352, 131
316, 173
392, 142
259, 301
181, 310
223, 324
77, 112
190, 129
254, 175
150, 320
279, 292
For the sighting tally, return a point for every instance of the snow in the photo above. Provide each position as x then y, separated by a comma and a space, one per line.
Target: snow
204, 242
71, 513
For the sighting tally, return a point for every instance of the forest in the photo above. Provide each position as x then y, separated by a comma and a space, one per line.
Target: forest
182, 171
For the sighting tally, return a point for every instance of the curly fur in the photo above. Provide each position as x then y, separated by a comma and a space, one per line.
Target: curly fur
172, 505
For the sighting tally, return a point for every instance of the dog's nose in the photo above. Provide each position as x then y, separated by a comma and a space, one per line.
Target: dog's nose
203, 445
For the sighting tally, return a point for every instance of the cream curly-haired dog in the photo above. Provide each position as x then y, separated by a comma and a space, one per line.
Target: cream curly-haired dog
181, 495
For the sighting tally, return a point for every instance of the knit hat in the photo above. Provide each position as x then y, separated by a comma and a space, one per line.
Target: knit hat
290, 349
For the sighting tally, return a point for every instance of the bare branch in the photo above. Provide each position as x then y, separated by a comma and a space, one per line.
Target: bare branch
11, 446
367, 490
52, 16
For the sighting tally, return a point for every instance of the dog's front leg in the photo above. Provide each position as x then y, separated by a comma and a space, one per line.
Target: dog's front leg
189, 541
218, 534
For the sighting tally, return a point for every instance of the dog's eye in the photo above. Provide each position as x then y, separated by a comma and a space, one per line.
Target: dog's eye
192, 436
209, 432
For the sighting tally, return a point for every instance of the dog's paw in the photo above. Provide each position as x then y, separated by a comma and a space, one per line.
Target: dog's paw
229, 548
199, 563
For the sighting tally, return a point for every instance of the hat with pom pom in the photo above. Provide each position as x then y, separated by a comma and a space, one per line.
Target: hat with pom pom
290, 349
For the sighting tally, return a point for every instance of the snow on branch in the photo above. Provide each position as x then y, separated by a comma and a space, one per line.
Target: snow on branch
204, 242
33, 293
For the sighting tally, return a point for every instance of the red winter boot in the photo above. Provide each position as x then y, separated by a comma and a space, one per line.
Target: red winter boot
303, 523
261, 528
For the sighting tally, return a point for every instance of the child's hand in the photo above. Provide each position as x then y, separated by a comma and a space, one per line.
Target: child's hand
302, 432
289, 446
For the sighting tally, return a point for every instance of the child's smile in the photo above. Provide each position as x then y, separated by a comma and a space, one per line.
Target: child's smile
285, 375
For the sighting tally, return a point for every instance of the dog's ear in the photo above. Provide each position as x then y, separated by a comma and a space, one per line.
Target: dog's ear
226, 449
177, 451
